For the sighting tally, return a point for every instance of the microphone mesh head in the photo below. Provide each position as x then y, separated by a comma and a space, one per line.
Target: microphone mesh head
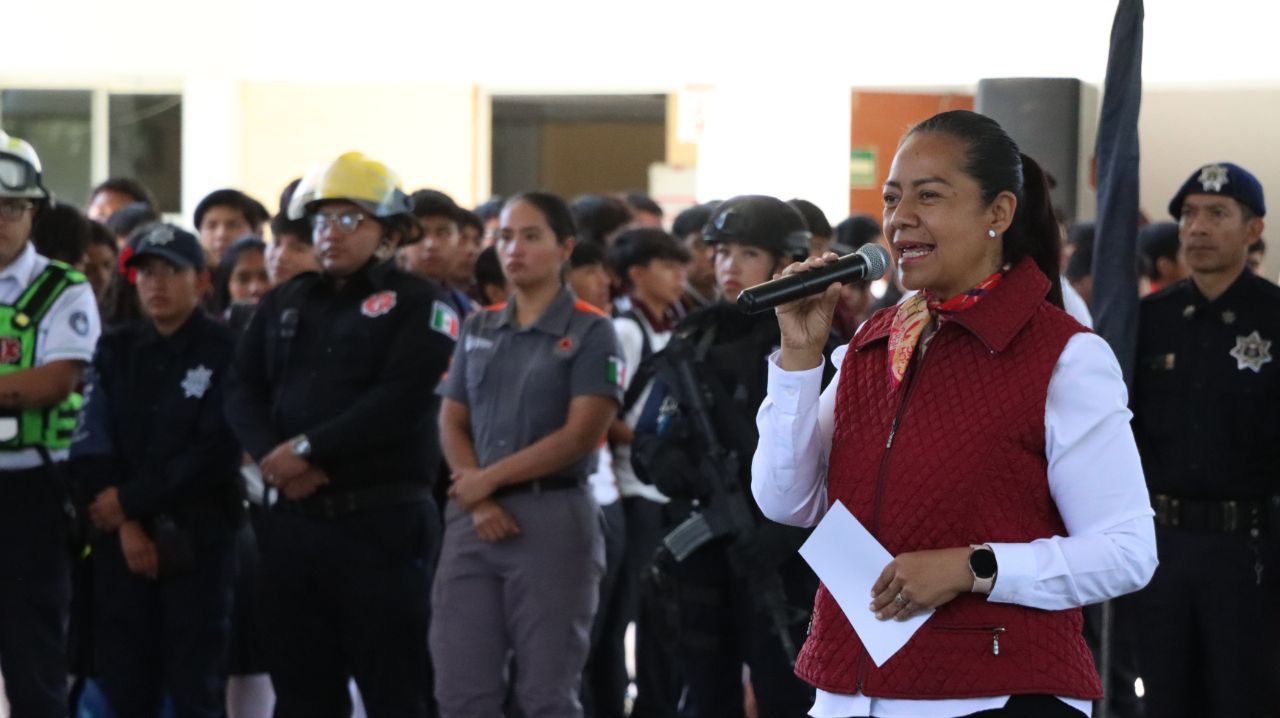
877, 260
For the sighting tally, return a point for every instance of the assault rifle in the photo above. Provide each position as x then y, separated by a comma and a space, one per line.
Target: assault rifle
723, 510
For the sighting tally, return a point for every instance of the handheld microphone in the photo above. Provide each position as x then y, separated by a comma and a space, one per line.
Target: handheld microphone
869, 262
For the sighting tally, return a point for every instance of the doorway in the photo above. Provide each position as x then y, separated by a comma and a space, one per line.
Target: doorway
575, 144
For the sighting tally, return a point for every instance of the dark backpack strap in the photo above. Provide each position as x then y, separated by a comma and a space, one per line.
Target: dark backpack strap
644, 373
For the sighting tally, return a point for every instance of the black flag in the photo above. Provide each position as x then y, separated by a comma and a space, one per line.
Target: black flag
1115, 281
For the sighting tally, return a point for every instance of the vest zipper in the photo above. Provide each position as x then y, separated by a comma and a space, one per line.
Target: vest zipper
909, 384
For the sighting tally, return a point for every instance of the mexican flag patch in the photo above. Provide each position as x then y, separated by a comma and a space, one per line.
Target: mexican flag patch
617, 372
445, 320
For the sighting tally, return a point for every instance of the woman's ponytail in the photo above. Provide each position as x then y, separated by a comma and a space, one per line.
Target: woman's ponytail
1040, 238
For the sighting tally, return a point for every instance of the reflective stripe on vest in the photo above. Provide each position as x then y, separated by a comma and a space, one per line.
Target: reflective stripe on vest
53, 427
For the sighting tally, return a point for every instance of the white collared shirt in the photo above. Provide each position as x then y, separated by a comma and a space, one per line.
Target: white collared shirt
69, 331
1095, 479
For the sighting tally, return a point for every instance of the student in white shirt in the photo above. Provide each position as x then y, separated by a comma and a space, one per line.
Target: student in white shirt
652, 267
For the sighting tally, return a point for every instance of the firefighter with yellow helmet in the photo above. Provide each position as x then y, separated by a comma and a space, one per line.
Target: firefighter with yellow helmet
48, 330
333, 393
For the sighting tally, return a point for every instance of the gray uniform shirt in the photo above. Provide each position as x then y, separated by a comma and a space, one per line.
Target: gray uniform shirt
518, 381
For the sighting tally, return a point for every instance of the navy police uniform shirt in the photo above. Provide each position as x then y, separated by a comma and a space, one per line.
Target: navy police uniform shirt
517, 382
1206, 395
154, 427
351, 364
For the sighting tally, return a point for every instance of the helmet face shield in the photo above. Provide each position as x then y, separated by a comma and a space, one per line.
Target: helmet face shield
18, 178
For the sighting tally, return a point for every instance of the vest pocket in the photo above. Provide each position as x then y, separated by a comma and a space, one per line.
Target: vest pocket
991, 632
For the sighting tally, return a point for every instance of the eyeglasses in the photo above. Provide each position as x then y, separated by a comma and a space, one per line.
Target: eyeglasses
12, 209
346, 222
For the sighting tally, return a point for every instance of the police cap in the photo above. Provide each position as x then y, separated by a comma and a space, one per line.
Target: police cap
1226, 179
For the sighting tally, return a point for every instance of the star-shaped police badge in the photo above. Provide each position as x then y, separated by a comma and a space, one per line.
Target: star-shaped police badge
196, 382
1252, 352
1213, 177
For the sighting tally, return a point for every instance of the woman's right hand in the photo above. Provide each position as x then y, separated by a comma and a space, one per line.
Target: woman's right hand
140, 553
492, 522
806, 323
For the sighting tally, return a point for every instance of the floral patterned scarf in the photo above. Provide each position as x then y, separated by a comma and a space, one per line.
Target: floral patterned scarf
914, 315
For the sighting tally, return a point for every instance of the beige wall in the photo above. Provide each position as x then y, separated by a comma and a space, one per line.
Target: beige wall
580, 157
427, 134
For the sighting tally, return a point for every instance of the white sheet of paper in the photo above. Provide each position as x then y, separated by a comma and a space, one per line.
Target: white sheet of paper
848, 559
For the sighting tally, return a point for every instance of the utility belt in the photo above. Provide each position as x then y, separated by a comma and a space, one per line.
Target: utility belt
537, 486
342, 503
1244, 516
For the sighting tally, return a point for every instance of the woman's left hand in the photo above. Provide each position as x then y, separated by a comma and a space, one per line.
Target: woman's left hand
470, 487
924, 580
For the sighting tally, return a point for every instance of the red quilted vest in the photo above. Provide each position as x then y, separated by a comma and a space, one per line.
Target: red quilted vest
966, 464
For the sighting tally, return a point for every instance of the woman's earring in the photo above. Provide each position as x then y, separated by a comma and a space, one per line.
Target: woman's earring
991, 233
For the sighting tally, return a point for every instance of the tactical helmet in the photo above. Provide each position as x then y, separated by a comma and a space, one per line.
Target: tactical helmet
355, 178
20, 170
759, 221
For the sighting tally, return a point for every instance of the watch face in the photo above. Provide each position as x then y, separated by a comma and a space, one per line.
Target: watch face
983, 563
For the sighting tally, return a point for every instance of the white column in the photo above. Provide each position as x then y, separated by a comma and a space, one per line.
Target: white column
211, 133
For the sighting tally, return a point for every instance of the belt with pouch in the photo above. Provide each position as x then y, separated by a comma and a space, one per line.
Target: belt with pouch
1245, 516
341, 503
537, 486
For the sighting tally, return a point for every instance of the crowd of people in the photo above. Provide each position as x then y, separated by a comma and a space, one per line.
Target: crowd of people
378, 453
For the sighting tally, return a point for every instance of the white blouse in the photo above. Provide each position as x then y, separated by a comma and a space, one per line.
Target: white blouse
1095, 479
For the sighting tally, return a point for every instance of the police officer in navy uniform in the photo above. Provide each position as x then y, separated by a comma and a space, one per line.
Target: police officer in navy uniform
48, 330
723, 623
333, 394
157, 456
1206, 402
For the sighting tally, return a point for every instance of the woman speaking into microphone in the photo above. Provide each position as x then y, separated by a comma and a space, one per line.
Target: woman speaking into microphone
978, 432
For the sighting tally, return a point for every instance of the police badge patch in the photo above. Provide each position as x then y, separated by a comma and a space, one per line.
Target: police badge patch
196, 382
1252, 352
1213, 177
159, 235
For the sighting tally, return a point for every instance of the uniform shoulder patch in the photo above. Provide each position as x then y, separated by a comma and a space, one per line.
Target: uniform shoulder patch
444, 319
80, 323
616, 373
378, 304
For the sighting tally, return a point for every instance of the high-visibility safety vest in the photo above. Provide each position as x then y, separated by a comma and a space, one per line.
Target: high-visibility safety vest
48, 427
